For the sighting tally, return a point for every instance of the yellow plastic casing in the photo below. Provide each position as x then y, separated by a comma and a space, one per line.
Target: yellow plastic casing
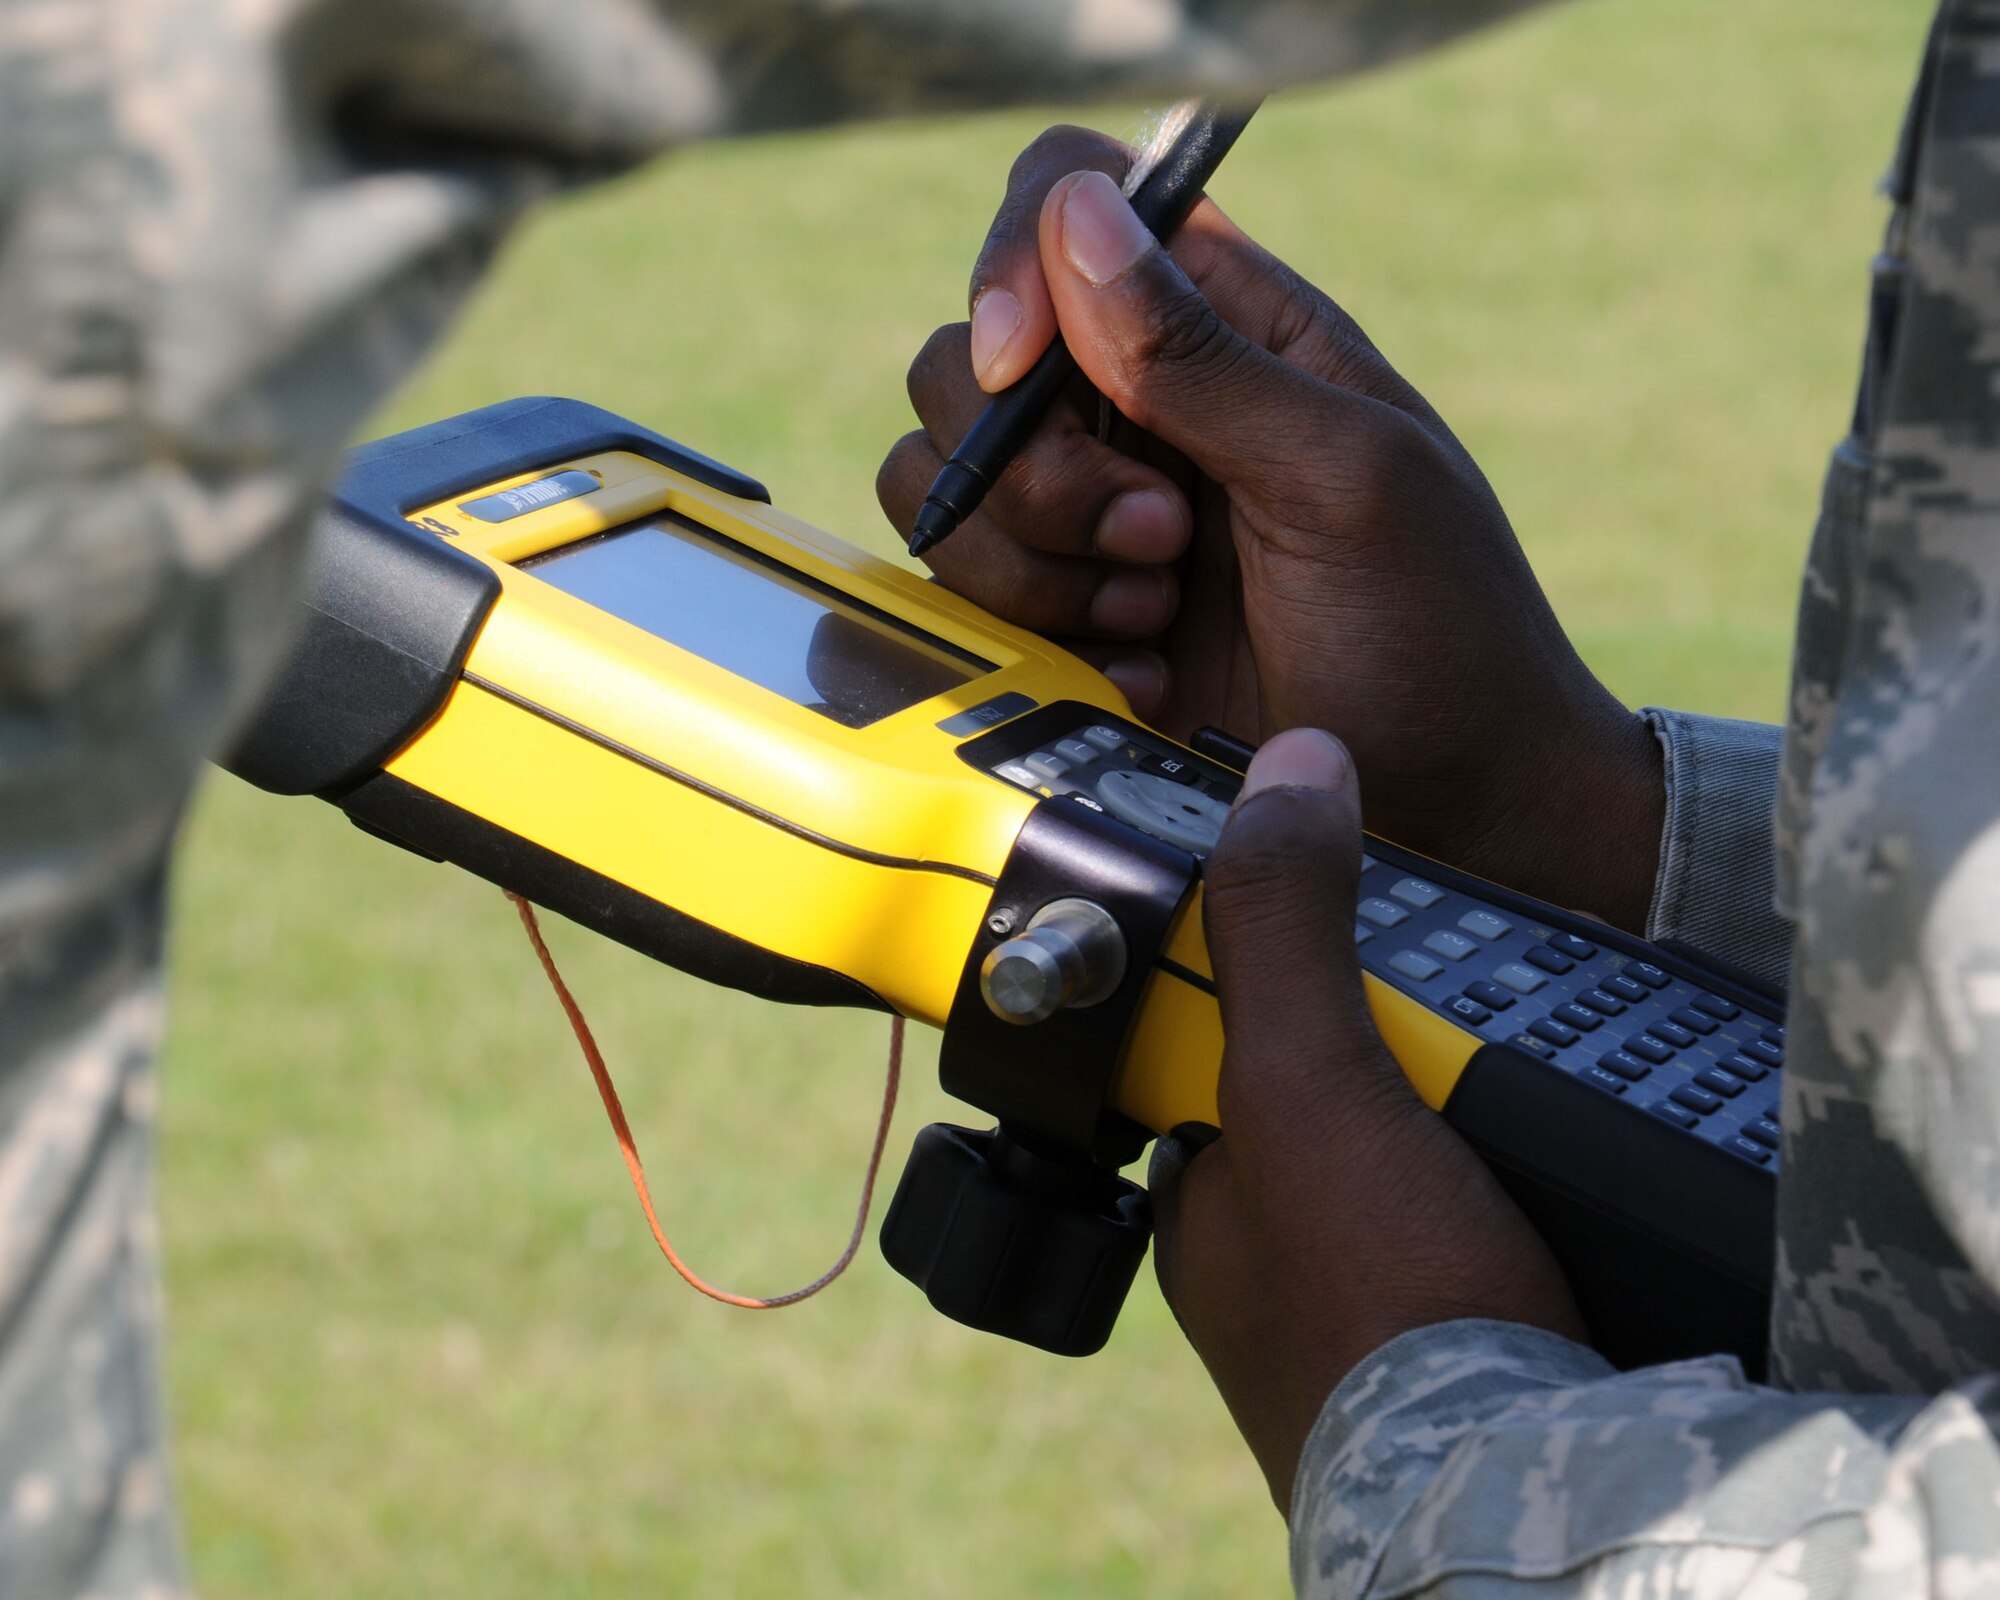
870, 852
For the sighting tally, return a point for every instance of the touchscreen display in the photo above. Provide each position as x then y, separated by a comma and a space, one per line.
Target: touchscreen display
758, 619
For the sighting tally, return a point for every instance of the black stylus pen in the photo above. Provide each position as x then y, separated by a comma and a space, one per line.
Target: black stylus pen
1163, 201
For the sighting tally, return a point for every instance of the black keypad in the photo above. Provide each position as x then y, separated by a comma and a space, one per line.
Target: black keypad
1748, 1151
1581, 975
1669, 1033
1721, 1082
1625, 1064
1746, 1069
1696, 1098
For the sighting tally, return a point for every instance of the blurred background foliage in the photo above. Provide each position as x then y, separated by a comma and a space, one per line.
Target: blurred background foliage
420, 1342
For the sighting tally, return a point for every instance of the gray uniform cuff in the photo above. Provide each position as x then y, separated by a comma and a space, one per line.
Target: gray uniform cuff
1384, 1432
1716, 889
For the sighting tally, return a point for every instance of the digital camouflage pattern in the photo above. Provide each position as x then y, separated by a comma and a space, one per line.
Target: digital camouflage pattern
227, 227
1479, 1459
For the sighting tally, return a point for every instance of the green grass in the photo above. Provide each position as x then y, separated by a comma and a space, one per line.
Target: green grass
420, 1343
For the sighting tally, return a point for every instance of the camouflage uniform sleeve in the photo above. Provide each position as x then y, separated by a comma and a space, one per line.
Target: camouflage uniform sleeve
1482, 1460
1716, 889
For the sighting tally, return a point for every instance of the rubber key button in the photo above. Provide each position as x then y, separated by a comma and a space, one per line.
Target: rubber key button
1764, 1131
1468, 1011
1603, 1080
1746, 1069
1720, 1081
1696, 1098
1624, 987
1770, 1055
1549, 960
1553, 1031
1578, 1018
1775, 1037
1600, 1002
1075, 752
1693, 1020
1105, 738
1489, 994
1570, 945
1414, 964
1649, 1049
1522, 980
1625, 1064
1046, 766
1415, 892
1717, 1007
1672, 1032
1382, 913
1648, 974
1534, 1046
1014, 772
1748, 1151
1452, 946
1362, 933
1679, 1116
1485, 924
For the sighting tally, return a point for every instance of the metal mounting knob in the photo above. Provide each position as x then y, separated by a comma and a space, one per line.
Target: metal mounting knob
1072, 953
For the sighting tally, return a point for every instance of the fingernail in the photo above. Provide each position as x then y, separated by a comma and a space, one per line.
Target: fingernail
1175, 1149
1101, 234
996, 318
1299, 758
1135, 604
1142, 680
1145, 525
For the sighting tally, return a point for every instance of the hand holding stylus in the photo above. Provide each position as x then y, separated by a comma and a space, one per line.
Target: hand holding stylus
1162, 188
1276, 529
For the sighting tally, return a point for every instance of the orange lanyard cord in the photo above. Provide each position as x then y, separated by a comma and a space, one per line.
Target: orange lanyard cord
609, 1094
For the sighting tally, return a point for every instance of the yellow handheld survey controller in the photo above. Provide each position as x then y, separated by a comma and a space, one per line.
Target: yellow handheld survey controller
601, 670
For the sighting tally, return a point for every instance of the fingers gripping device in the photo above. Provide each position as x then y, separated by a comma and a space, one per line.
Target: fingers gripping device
604, 672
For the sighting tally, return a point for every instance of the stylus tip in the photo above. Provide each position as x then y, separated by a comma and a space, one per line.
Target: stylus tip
934, 521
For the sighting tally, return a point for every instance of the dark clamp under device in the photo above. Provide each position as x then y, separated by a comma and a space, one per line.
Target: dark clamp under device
1027, 1230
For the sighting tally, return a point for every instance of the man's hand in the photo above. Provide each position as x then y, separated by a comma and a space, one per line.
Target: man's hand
1274, 530
1336, 1210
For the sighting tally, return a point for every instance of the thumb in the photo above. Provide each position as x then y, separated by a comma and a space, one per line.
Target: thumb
1152, 343
1280, 892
